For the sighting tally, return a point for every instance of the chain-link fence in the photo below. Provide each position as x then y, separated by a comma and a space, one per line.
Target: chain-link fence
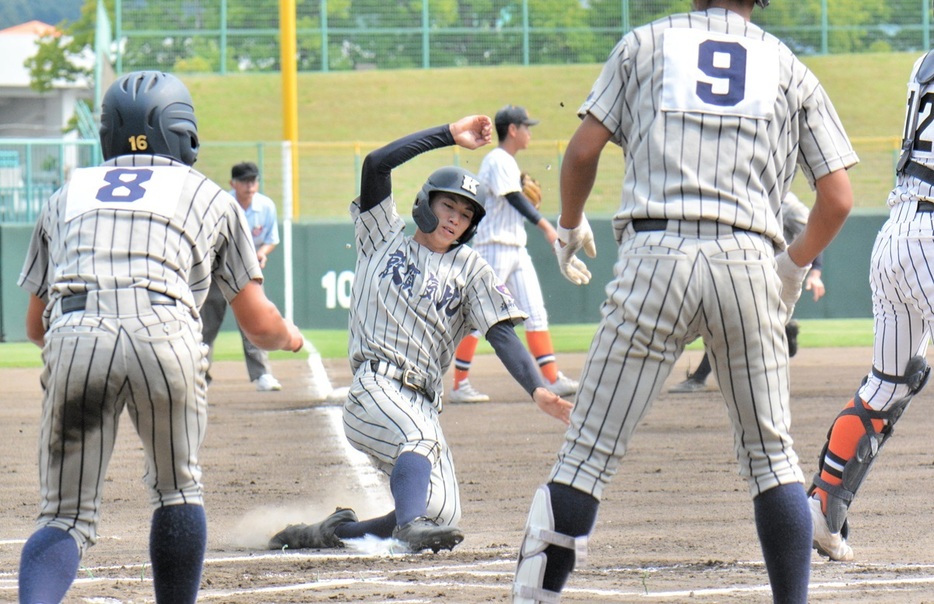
330, 173
32, 169
242, 35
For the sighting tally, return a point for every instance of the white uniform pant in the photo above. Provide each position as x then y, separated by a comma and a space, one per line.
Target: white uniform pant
667, 291
513, 265
902, 299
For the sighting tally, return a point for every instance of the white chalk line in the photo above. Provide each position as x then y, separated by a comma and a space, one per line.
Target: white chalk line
372, 481
380, 578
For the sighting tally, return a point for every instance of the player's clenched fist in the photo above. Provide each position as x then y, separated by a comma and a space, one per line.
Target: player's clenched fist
552, 404
473, 131
566, 247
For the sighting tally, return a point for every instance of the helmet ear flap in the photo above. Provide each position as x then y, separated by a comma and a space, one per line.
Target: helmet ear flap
422, 213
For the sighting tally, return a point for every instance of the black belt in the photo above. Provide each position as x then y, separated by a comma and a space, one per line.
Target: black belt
925, 206
640, 225
80, 301
919, 171
409, 377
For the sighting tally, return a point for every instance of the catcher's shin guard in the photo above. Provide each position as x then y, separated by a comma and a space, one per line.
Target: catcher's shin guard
539, 534
855, 469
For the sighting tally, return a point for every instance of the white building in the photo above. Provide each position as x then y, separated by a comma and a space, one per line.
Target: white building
25, 113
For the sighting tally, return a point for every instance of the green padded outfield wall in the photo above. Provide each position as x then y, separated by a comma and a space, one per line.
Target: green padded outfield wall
324, 263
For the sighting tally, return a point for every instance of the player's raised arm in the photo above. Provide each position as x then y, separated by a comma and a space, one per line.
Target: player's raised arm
473, 131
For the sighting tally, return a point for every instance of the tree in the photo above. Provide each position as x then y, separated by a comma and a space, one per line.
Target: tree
57, 53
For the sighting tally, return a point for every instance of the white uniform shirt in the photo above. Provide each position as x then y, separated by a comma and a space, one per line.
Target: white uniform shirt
499, 174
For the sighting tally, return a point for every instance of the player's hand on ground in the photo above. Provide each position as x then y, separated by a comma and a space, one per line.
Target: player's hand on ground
553, 405
792, 277
814, 284
473, 131
569, 242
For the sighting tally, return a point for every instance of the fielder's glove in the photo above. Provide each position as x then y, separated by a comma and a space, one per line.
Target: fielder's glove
792, 277
532, 190
567, 244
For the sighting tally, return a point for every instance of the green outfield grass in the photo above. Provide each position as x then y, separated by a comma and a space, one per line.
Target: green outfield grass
344, 112
332, 343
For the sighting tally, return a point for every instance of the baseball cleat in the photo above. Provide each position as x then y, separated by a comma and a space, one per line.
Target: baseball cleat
563, 386
831, 545
688, 386
465, 393
267, 383
422, 533
313, 536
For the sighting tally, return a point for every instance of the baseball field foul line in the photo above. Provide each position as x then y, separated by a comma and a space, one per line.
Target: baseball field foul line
379, 579
371, 481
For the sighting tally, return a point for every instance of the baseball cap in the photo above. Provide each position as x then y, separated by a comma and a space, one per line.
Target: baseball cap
244, 171
513, 114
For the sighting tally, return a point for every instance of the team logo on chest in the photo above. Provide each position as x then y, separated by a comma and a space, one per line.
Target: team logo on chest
404, 274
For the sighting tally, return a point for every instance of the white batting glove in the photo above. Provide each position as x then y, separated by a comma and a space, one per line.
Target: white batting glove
792, 277
566, 247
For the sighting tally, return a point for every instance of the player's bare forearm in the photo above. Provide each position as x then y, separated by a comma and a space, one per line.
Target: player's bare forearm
579, 169
261, 321
553, 405
831, 208
35, 328
473, 131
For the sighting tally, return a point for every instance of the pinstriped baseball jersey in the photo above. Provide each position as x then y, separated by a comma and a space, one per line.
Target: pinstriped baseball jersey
499, 174
139, 237
909, 188
705, 137
411, 306
140, 221
456, 292
712, 114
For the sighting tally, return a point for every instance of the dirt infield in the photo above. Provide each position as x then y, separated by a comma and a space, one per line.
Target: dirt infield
675, 525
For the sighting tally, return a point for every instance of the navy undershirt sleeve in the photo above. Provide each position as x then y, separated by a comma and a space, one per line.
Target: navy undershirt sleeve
518, 362
376, 174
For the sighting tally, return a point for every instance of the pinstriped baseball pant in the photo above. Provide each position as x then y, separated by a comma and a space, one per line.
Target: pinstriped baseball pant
669, 289
384, 420
122, 351
902, 299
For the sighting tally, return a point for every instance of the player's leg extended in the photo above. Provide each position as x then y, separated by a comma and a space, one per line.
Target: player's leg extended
169, 410
630, 357
78, 392
746, 342
392, 425
903, 319
854, 441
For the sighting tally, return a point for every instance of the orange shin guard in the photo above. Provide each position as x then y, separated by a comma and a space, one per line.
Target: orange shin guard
847, 431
